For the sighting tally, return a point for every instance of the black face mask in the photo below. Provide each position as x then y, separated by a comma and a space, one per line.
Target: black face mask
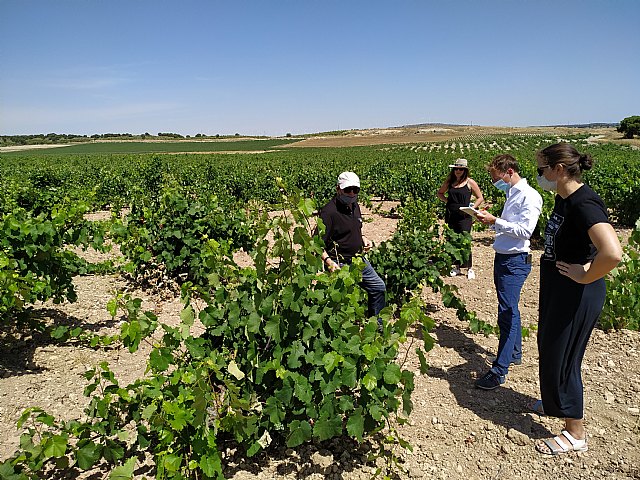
348, 199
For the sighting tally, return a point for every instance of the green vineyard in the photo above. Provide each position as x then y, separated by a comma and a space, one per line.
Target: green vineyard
288, 354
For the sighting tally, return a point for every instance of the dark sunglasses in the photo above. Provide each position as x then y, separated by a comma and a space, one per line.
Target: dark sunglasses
459, 168
351, 190
541, 169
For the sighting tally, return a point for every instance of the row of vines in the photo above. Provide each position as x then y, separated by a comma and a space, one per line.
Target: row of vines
288, 354
36, 181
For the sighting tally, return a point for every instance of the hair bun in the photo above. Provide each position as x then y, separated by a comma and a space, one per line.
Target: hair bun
586, 162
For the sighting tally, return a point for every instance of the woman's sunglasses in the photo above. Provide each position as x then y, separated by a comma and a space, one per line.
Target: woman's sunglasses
459, 169
352, 189
541, 169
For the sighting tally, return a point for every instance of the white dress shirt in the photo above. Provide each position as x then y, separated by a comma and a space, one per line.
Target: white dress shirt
518, 220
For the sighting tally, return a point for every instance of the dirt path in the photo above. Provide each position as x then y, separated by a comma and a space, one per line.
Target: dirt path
456, 430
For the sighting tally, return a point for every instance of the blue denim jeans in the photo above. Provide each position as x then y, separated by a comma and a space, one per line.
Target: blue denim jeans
375, 288
509, 273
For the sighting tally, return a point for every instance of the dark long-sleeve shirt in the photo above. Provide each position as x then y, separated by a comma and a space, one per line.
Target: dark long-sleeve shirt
343, 234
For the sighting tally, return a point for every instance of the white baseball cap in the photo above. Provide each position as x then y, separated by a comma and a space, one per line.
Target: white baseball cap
348, 179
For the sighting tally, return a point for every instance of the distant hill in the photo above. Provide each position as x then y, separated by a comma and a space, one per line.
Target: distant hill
586, 125
578, 125
435, 124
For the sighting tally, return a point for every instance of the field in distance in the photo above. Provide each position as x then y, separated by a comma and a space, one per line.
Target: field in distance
426, 133
172, 146
445, 133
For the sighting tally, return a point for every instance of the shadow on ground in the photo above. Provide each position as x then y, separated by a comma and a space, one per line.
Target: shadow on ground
331, 459
503, 406
335, 458
18, 343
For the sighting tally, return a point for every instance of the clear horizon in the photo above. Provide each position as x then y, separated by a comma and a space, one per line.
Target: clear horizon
255, 68
192, 135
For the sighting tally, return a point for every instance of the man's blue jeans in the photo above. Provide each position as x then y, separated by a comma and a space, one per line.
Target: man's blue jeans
375, 288
509, 273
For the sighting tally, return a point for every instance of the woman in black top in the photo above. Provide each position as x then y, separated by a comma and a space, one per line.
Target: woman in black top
459, 187
581, 247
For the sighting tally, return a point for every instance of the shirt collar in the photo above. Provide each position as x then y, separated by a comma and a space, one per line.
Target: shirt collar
522, 183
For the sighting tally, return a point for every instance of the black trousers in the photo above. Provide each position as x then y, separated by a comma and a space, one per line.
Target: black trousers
568, 313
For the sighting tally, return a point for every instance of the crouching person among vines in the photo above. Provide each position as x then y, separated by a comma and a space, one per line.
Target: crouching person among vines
343, 238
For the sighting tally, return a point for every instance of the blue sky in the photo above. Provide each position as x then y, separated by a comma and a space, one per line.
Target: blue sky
272, 67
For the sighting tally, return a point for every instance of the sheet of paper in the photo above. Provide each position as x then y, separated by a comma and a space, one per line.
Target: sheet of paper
470, 211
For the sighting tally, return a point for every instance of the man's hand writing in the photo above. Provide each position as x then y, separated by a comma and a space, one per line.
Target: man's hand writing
486, 218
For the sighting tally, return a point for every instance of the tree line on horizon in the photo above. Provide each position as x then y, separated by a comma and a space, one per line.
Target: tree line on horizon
56, 138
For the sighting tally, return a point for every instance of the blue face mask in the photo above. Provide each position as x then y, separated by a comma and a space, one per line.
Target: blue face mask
502, 185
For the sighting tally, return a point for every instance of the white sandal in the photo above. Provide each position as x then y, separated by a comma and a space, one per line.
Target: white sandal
560, 447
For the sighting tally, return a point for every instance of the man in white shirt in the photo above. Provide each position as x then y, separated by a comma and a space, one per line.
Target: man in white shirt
512, 263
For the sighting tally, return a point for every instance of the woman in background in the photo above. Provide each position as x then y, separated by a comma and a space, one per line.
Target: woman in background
459, 188
581, 247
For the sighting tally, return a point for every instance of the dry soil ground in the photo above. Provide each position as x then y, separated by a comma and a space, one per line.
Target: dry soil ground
443, 133
456, 430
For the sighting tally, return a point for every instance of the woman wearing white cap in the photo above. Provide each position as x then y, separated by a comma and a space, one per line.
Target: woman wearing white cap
459, 188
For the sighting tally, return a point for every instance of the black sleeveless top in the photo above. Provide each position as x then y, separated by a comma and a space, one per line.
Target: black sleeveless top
458, 197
